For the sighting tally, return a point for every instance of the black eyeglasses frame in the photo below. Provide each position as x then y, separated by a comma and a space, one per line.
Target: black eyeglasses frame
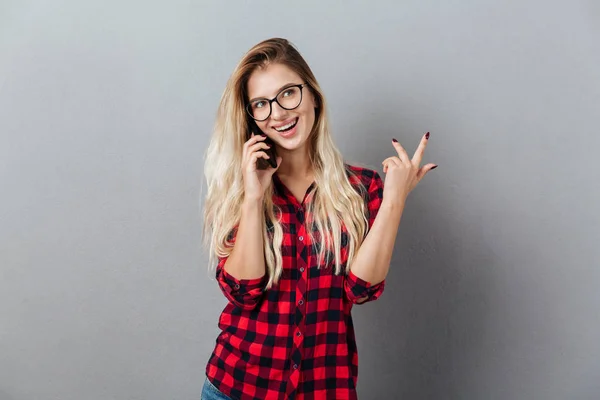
274, 99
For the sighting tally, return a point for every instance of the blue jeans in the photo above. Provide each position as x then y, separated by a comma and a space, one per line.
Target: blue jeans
210, 392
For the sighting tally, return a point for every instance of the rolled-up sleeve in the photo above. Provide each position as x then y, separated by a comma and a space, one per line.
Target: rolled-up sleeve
357, 290
244, 293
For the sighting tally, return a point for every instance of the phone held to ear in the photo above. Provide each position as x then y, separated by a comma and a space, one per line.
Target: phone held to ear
262, 163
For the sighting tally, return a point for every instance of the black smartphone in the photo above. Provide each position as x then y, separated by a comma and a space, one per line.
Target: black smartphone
262, 163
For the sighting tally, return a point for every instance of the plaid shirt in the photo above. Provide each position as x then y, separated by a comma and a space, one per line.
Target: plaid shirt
296, 340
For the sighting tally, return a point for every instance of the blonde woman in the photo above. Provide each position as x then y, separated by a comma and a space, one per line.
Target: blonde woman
298, 236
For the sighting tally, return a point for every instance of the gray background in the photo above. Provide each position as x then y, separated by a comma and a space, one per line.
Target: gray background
106, 109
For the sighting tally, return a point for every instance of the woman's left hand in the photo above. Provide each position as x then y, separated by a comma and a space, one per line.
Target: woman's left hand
404, 173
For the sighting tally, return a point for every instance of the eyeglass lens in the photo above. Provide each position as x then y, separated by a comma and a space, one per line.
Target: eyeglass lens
288, 99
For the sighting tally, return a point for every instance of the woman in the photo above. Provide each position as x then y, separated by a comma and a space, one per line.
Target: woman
298, 243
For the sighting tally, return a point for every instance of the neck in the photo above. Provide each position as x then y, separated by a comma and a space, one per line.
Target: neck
295, 164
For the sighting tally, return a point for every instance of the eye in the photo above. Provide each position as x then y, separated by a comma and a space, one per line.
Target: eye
288, 92
258, 104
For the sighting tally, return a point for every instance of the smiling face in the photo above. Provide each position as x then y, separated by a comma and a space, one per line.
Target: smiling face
289, 129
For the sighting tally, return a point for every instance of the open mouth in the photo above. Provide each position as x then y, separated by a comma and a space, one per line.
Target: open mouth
287, 127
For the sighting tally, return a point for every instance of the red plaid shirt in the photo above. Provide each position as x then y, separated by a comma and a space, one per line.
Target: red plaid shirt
296, 340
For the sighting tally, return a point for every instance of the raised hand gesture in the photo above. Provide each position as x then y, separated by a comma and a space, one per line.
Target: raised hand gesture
404, 173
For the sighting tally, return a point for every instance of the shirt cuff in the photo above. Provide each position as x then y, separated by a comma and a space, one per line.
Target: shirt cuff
244, 293
360, 291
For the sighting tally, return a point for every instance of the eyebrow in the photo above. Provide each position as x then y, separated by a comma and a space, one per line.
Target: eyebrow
278, 90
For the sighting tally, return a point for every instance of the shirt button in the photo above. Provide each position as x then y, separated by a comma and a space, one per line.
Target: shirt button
301, 269
237, 286
301, 238
301, 302
295, 366
298, 334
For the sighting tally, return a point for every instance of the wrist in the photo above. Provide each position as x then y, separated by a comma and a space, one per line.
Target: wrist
395, 206
253, 204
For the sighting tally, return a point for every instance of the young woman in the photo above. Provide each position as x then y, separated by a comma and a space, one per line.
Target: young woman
297, 244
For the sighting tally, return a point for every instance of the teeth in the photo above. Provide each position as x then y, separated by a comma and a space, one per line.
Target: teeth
288, 126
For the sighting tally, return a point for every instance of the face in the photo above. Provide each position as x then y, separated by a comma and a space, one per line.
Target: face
289, 129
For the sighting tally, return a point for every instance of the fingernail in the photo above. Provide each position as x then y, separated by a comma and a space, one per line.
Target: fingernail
434, 167
394, 140
427, 135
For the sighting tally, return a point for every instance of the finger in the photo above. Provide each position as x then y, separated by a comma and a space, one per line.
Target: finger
255, 156
394, 160
254, 139
257, 146
401, 152
424, 170
418, 157
250, 142
390, 160
386, 167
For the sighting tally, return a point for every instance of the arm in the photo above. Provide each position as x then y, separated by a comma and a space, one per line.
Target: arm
366, 279
241, 275
372, 261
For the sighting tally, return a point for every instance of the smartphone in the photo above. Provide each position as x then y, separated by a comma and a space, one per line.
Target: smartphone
262, 163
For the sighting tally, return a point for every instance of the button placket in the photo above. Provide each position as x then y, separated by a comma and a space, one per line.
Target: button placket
301, 287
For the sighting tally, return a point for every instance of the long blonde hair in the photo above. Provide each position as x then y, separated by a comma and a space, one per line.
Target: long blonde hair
336, 203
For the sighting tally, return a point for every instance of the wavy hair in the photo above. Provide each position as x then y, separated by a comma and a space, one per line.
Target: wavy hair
336, 205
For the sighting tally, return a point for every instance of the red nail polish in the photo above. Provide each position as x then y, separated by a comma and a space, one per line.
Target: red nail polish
427, 135
434, 167
394, 140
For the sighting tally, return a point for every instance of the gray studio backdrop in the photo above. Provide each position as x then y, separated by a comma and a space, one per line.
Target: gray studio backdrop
106, 109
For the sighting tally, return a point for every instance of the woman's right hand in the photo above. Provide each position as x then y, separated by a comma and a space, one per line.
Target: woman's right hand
256, 181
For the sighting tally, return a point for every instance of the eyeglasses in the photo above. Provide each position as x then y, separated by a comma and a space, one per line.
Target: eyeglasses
288, 99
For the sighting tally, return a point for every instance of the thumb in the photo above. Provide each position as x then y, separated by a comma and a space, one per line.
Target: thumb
279, 159
271, 169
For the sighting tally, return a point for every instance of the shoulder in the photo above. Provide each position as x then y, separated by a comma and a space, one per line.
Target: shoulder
360, 175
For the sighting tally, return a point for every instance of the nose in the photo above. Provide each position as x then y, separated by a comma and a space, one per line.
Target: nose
277, 113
